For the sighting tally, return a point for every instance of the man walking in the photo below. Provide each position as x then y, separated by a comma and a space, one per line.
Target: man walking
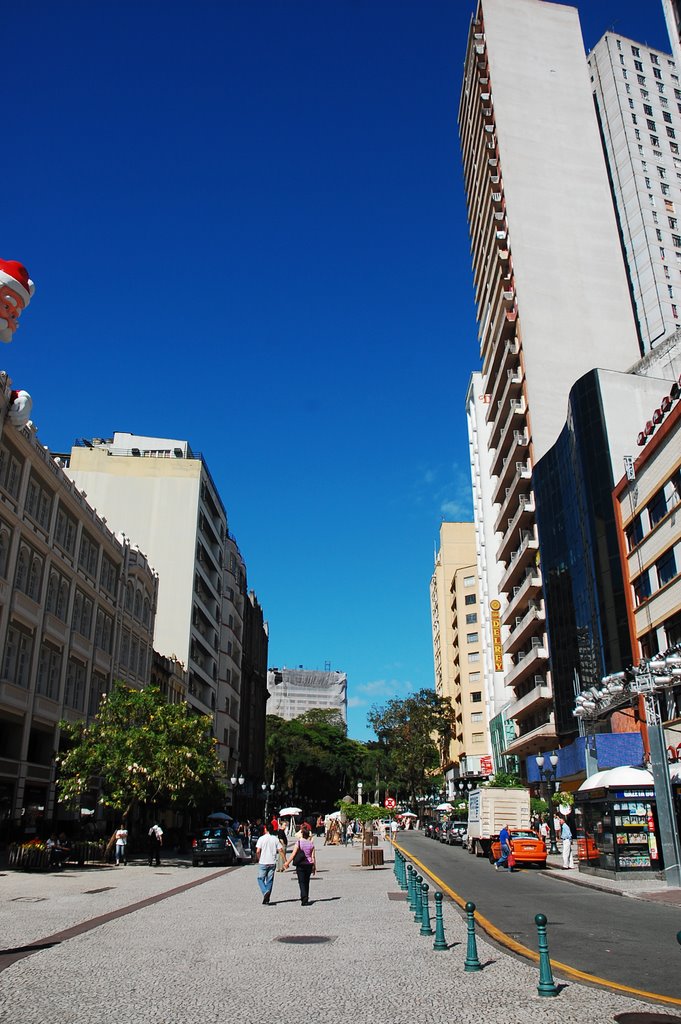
154, 844
505, 844
266, 850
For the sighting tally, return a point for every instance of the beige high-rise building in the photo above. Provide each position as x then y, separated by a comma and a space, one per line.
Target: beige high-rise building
550, 286
458, 644
162, 495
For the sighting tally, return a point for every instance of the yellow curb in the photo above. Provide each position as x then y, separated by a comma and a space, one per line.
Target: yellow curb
530, 954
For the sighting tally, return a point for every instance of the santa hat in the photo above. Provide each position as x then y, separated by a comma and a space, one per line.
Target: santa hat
15, 275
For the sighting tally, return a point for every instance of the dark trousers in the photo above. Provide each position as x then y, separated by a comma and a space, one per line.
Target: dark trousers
304, 872
154, 851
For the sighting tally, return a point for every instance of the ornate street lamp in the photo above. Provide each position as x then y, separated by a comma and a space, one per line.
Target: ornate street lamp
548, 777
236, 780
267, 789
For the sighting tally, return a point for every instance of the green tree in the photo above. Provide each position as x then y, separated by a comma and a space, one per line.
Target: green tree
312, 758
414, 730
142, 750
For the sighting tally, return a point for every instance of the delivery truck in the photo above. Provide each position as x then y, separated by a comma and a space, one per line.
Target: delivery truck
489, 809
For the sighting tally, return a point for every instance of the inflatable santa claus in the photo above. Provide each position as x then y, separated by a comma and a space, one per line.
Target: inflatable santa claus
16, 289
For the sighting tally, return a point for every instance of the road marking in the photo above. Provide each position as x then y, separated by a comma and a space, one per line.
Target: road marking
503, 939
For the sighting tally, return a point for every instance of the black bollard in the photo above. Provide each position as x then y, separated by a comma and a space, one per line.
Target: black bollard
546, 986
471, 963
439, 924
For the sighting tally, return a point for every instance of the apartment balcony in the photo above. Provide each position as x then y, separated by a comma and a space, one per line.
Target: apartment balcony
539, 696
506, 431
521, 520
534, 741
525, 627
520, 559
529, 663
506, 388
516, 458
502, 357
516, 490
528, 589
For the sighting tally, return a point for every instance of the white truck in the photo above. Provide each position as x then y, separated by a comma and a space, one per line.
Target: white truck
489, 809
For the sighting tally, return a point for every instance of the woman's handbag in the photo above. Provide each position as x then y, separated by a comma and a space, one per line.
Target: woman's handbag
280, 861
510, 860
299, 858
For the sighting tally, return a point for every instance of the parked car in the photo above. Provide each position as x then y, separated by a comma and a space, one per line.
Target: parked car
527, 847
457, 833
218, 844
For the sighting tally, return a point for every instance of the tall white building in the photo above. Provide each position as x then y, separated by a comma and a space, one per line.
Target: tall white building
160, 494
638, 99
293, 691
550, 286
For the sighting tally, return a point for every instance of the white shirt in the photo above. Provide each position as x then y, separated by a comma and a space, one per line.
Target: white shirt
269, 848
121, 837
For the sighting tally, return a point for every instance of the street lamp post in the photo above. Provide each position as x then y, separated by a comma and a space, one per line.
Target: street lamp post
236, 780
267, 789
359, 792
548, 777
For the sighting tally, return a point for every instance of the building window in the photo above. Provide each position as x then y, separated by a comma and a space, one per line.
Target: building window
641, 79
647, 109
642, 587
471, 618
636, 52
652, 127
65, 531
4, 550
473, 677
88, 554
638, 65
49, 670
666, 568
74, 693
474, 656
470, 599
657, 73
657, 508
38, 503
471, 638
653, 58
671, 133
476, 697
659, 234
469, 581
635, 533
477, 737
18, 649
476, 716
634, 119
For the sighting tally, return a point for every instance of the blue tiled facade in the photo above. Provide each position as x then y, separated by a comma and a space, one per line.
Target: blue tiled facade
613, 749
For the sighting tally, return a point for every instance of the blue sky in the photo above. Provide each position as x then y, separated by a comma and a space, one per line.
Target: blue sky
246, 225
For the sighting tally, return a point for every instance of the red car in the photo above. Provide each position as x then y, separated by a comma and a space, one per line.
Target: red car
527, 846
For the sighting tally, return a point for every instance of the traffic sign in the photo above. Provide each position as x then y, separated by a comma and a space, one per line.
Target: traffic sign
389, 803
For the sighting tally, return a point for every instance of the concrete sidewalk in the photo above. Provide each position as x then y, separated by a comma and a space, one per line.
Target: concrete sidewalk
213, 950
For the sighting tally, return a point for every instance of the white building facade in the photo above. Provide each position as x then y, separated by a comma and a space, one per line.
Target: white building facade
550, 285
293, 691
638, 99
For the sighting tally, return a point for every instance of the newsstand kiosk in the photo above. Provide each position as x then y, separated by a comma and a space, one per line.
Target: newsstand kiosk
616, 823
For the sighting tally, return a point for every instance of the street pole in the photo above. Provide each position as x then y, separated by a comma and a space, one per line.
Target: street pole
669, 836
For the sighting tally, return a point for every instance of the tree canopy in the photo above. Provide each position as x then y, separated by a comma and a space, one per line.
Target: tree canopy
141, 750
313, 761
413, 730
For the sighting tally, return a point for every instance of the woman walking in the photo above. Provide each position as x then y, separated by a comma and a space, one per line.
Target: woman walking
304, 860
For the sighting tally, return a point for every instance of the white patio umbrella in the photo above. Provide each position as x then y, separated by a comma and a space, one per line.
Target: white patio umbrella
444, 807
408, 814
289, 812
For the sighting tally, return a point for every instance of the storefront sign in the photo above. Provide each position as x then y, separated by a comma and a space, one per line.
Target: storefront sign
495, 616
486, 765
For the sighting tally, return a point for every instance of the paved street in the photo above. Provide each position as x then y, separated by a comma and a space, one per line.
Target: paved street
212, 950
630, 941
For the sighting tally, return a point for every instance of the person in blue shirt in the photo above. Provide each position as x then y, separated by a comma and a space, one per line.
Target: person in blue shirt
505, 843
